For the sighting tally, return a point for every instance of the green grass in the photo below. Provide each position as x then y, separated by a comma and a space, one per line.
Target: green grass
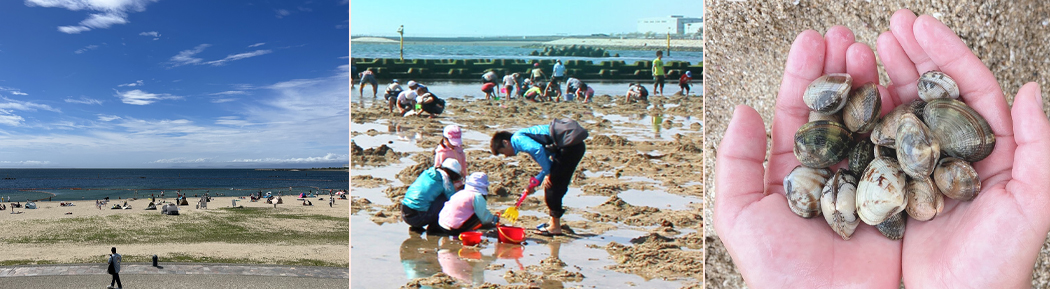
226, 225
26, 262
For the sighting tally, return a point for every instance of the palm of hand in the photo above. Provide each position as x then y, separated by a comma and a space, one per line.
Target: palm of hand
991, 241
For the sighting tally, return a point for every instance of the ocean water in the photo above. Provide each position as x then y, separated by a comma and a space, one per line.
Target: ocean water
91, 184
469, 51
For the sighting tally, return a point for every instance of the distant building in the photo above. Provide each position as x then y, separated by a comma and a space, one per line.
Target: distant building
675, 24
695, 27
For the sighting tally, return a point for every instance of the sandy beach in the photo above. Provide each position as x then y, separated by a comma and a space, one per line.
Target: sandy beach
634, 179
49, 235
747, 45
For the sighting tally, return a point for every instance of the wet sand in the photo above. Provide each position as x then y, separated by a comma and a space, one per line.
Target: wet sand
747, 44
50, 218
638, 181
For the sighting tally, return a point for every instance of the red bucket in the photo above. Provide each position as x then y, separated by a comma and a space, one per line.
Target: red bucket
511, 235
470, 238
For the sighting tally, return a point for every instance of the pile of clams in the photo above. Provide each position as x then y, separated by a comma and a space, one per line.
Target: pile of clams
913, 155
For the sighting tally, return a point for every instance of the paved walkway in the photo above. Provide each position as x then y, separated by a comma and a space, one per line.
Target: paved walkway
176, 269
175, 275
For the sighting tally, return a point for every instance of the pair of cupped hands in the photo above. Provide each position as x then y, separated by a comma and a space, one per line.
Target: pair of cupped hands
990, 242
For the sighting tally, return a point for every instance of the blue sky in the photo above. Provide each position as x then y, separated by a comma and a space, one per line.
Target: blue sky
423, 18
173, 83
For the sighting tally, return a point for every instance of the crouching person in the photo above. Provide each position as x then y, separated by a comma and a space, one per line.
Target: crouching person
427, 195
467, 210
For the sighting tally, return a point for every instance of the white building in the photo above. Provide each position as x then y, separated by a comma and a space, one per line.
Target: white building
675, 24
695, 27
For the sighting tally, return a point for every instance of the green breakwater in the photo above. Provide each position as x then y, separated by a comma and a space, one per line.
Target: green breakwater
472, 69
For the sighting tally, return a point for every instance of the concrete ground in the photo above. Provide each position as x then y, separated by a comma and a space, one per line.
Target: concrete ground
175, 276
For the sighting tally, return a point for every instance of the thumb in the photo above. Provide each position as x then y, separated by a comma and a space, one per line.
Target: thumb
1030, 175
738, 165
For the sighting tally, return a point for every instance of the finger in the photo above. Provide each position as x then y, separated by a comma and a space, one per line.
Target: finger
902, 25
836, 42
739, 158
1031, 176
860, 64
805, 63
903, 77
977, 85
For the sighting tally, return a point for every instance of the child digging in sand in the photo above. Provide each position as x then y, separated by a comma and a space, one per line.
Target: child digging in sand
467, 210
427, 195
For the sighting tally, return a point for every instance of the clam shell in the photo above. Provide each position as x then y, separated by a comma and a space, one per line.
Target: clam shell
838, 202
893, 227
924, 200
827, 94
821, 144
962, 132
861, 155
880, 191
917, 149
862, 110
803, 188
935, 85
885, 132
818, 116
957, 179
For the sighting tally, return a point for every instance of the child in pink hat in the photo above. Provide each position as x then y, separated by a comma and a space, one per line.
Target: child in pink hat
451, 146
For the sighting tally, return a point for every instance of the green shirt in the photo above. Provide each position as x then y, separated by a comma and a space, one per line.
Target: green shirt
658, 67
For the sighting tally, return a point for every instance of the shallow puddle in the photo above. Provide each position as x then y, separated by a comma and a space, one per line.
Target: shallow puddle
658, 199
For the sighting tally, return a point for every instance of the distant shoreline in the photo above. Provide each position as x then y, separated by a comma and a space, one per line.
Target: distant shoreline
607, 43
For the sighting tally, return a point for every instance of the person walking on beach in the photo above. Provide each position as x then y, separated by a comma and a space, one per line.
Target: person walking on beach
114, 269
658, 73
558, 149
368, 77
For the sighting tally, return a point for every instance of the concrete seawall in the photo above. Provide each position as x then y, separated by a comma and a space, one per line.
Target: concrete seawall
472, 69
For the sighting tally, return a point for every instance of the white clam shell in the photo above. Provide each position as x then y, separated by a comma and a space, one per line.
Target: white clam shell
839, 203
803, 187
880, 191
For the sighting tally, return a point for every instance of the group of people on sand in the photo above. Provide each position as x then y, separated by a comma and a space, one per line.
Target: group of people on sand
414, 101
536, 87
445, 199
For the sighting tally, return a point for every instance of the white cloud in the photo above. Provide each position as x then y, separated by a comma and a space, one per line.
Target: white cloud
6, 118
26, 162
107, 118
10, 104
73, 29
223, 100
233, 121
137, 83
238, 56
110, 11
229, 93
186, 56
330, 157
13, 91
84, 100
104, 20
154, 34
257, 44
139, 97
183, 160
85, 49
281, 13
